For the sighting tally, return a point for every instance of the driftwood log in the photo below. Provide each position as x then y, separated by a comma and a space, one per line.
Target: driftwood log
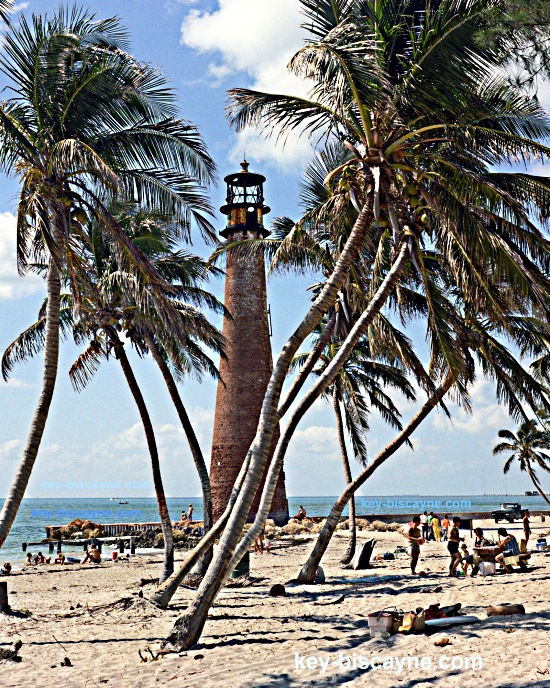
505, 610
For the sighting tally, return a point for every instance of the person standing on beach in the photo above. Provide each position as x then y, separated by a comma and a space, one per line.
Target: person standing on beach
414, 536
453, 546
424, 522
526, 526
436, 529
445, 523
190, 513
430, 528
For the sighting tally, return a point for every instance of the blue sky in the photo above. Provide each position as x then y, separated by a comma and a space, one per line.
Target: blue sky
206, 47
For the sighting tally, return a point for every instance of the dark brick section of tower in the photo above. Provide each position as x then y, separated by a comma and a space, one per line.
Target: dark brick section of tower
247, 370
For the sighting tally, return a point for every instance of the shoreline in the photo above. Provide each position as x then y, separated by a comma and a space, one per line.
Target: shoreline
74, 613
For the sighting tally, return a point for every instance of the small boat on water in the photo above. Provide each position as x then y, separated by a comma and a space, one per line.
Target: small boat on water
124, 502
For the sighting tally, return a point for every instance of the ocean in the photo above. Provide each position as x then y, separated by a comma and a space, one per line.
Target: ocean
35, 514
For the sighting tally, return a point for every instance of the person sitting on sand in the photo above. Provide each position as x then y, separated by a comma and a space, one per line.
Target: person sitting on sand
480, 541
93, 554
453, 546
466, 558
6, 569
28, 561
183, 518
301, 513
39, 558
414, 536
190, 513
60, 559
510, 553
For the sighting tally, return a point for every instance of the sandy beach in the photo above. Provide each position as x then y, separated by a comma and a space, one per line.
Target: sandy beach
252, 639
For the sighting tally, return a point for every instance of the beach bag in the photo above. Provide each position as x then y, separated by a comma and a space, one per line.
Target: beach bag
487, 568
434, 612
413, 622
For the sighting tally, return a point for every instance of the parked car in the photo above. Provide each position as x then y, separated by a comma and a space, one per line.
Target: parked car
507, 512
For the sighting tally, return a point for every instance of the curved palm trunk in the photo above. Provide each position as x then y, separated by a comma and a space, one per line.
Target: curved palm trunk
323, 381
51, 360
194, 445
165, 522
312, 359
164, 592
188, 628
350, 551
536, 484
307, 574
312, 395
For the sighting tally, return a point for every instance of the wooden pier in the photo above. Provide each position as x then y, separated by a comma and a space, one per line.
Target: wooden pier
111, 529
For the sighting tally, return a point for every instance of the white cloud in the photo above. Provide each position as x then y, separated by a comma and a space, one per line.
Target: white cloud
20, 6
257, 37
12, 285
8, 448
15, 383
487, 414
316, 441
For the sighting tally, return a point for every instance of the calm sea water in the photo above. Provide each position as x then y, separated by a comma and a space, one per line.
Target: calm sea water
35, 514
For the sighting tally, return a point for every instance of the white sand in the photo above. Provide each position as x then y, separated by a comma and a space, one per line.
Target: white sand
252, 639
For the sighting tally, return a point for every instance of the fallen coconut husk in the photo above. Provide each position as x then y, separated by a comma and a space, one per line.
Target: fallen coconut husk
11, 653
277, 590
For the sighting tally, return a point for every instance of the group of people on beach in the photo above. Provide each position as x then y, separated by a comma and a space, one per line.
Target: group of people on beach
92, 554
187, 517
506, 552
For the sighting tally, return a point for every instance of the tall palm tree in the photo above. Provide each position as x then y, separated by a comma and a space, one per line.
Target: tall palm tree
107, 309
87, 122
426, 116
525, 446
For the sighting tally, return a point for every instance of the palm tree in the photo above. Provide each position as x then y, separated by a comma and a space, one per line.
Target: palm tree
426, 116
106, 309
88, 122
358, 389
525, 446
6, 6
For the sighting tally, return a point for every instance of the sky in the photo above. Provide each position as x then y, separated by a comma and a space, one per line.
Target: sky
205, 47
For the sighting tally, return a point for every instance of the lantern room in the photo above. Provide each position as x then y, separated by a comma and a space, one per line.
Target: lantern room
244, 205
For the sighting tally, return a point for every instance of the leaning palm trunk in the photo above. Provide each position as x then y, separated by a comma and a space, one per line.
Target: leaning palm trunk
322, 382
312, 359
307, 574
165, 522
51, 359
535, 482
350, 551
188, 628
194, 445
164, 593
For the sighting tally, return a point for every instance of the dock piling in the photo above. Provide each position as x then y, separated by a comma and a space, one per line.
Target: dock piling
4, 606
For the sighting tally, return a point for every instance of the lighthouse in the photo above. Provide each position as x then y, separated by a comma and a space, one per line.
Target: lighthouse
245, 373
